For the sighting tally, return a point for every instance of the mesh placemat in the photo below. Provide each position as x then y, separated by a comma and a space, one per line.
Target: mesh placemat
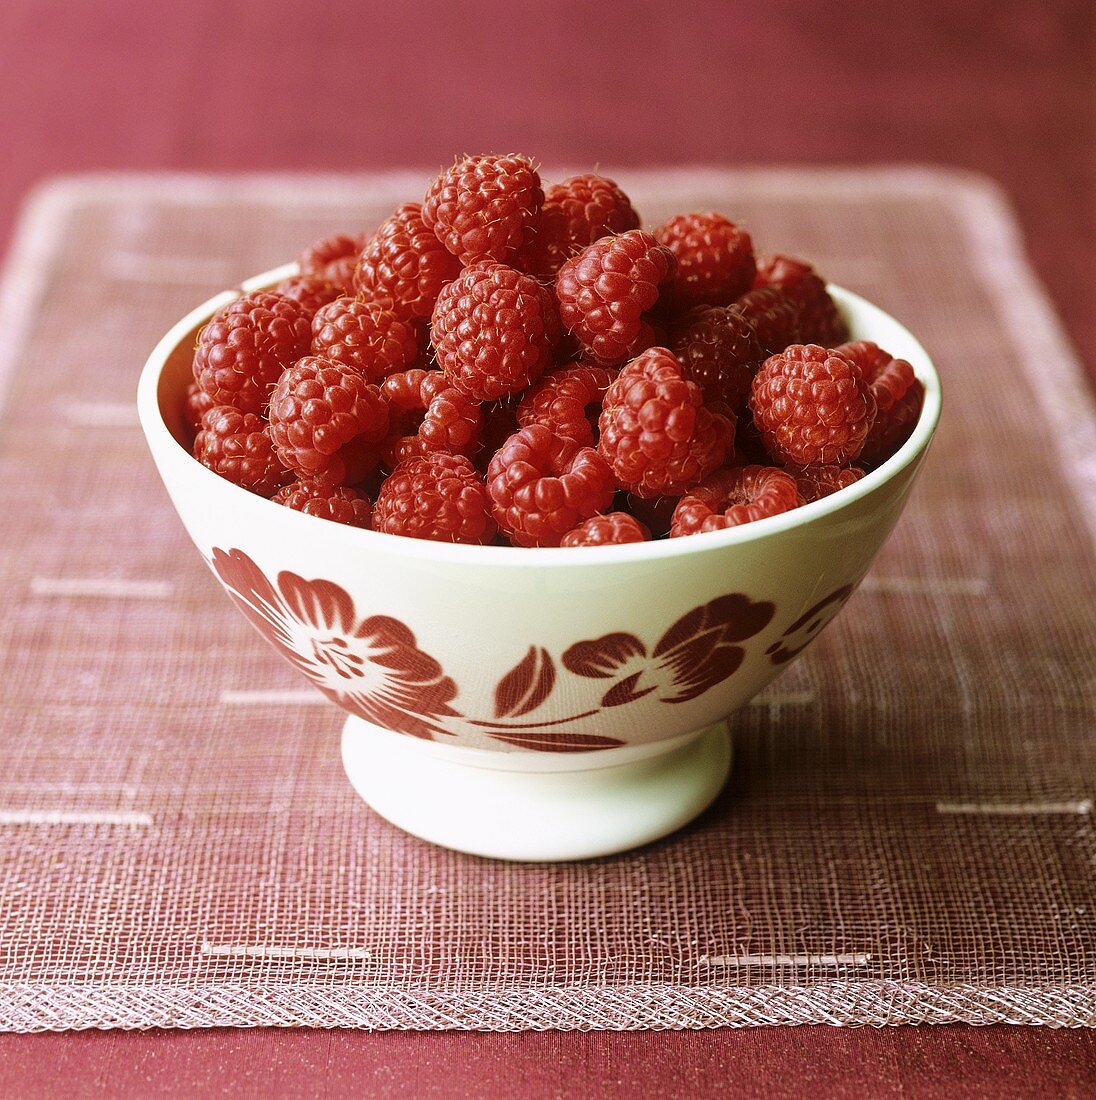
907, 835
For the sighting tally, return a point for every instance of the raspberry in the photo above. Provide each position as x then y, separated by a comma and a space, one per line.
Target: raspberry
568, 401
819, 320
312, 291
435, 496
715, 260
366, 336
427, 413
816, 482
899, 395
324, 417
406, 263
773, 316
732, 497
576, 213
333, 258
493, 330
655, 432
719, 352
484, 208
245, 347
812, 407
604, 291
196, 403
339, 504
543, 485
611, 529
237, 446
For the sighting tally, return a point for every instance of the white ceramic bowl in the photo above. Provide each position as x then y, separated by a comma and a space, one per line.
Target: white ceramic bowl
533, 704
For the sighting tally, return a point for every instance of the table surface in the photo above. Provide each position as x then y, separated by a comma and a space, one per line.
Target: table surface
204, 86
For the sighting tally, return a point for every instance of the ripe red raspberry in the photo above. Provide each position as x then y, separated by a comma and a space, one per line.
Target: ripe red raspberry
819, 320
493, 330
406, 263
196, 403
324, 417
773, 316
899, 395
576, 213
816, 482
604, 291
245, 347
484, 208
312, 291
732, 497
719, 352
715, 259
339, 504
435, 496
427, 413
367, 336
568, 401
611, 529
812, 407
656, 433
333, 258
543, 485
237, 446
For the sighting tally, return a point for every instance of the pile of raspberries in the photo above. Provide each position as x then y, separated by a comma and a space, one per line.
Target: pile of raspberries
505, 364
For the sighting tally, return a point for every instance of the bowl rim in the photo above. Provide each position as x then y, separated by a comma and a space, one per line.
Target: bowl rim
169, 452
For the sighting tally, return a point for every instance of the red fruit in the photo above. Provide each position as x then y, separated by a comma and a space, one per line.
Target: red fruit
237, 446
333, 258
312, 291
494, 330
899, 395
816, 482
732, 497
812, 407
367, 336
576, 213
543, 485
604, 291
196, 403
568, 401
435, 496
484, 208
772, 315
719, 352
715, 259
819, 320
613, 528
325, 419
339, 504
245, 347
405, 263
427, 413
656, 434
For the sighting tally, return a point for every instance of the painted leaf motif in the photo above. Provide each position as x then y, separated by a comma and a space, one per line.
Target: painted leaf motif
625, 692
556, 742
526, 685
599, 658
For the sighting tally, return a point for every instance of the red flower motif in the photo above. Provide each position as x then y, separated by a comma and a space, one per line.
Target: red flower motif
694, 655
808, 626
373, 668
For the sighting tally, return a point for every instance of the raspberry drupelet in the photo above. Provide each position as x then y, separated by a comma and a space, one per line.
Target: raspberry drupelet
543, 485
610, 529
719, 352
338, 504
819, 319
812, 407
427, 413
731, 497
656, 434
238, 447
605, 290
568, 400
333, 258
494, 330
715, 259
485, 207
367, 336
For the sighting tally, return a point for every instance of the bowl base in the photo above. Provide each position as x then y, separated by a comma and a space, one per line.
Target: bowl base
432, 791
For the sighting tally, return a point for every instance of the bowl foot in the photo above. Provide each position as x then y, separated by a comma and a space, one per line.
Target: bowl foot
458, 799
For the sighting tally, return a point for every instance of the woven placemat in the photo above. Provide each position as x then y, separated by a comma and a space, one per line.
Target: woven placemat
907, 835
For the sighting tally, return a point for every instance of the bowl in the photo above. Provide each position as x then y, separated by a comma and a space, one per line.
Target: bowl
533, 703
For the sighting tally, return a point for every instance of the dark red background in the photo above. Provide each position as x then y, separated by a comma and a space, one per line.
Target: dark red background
235, 85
